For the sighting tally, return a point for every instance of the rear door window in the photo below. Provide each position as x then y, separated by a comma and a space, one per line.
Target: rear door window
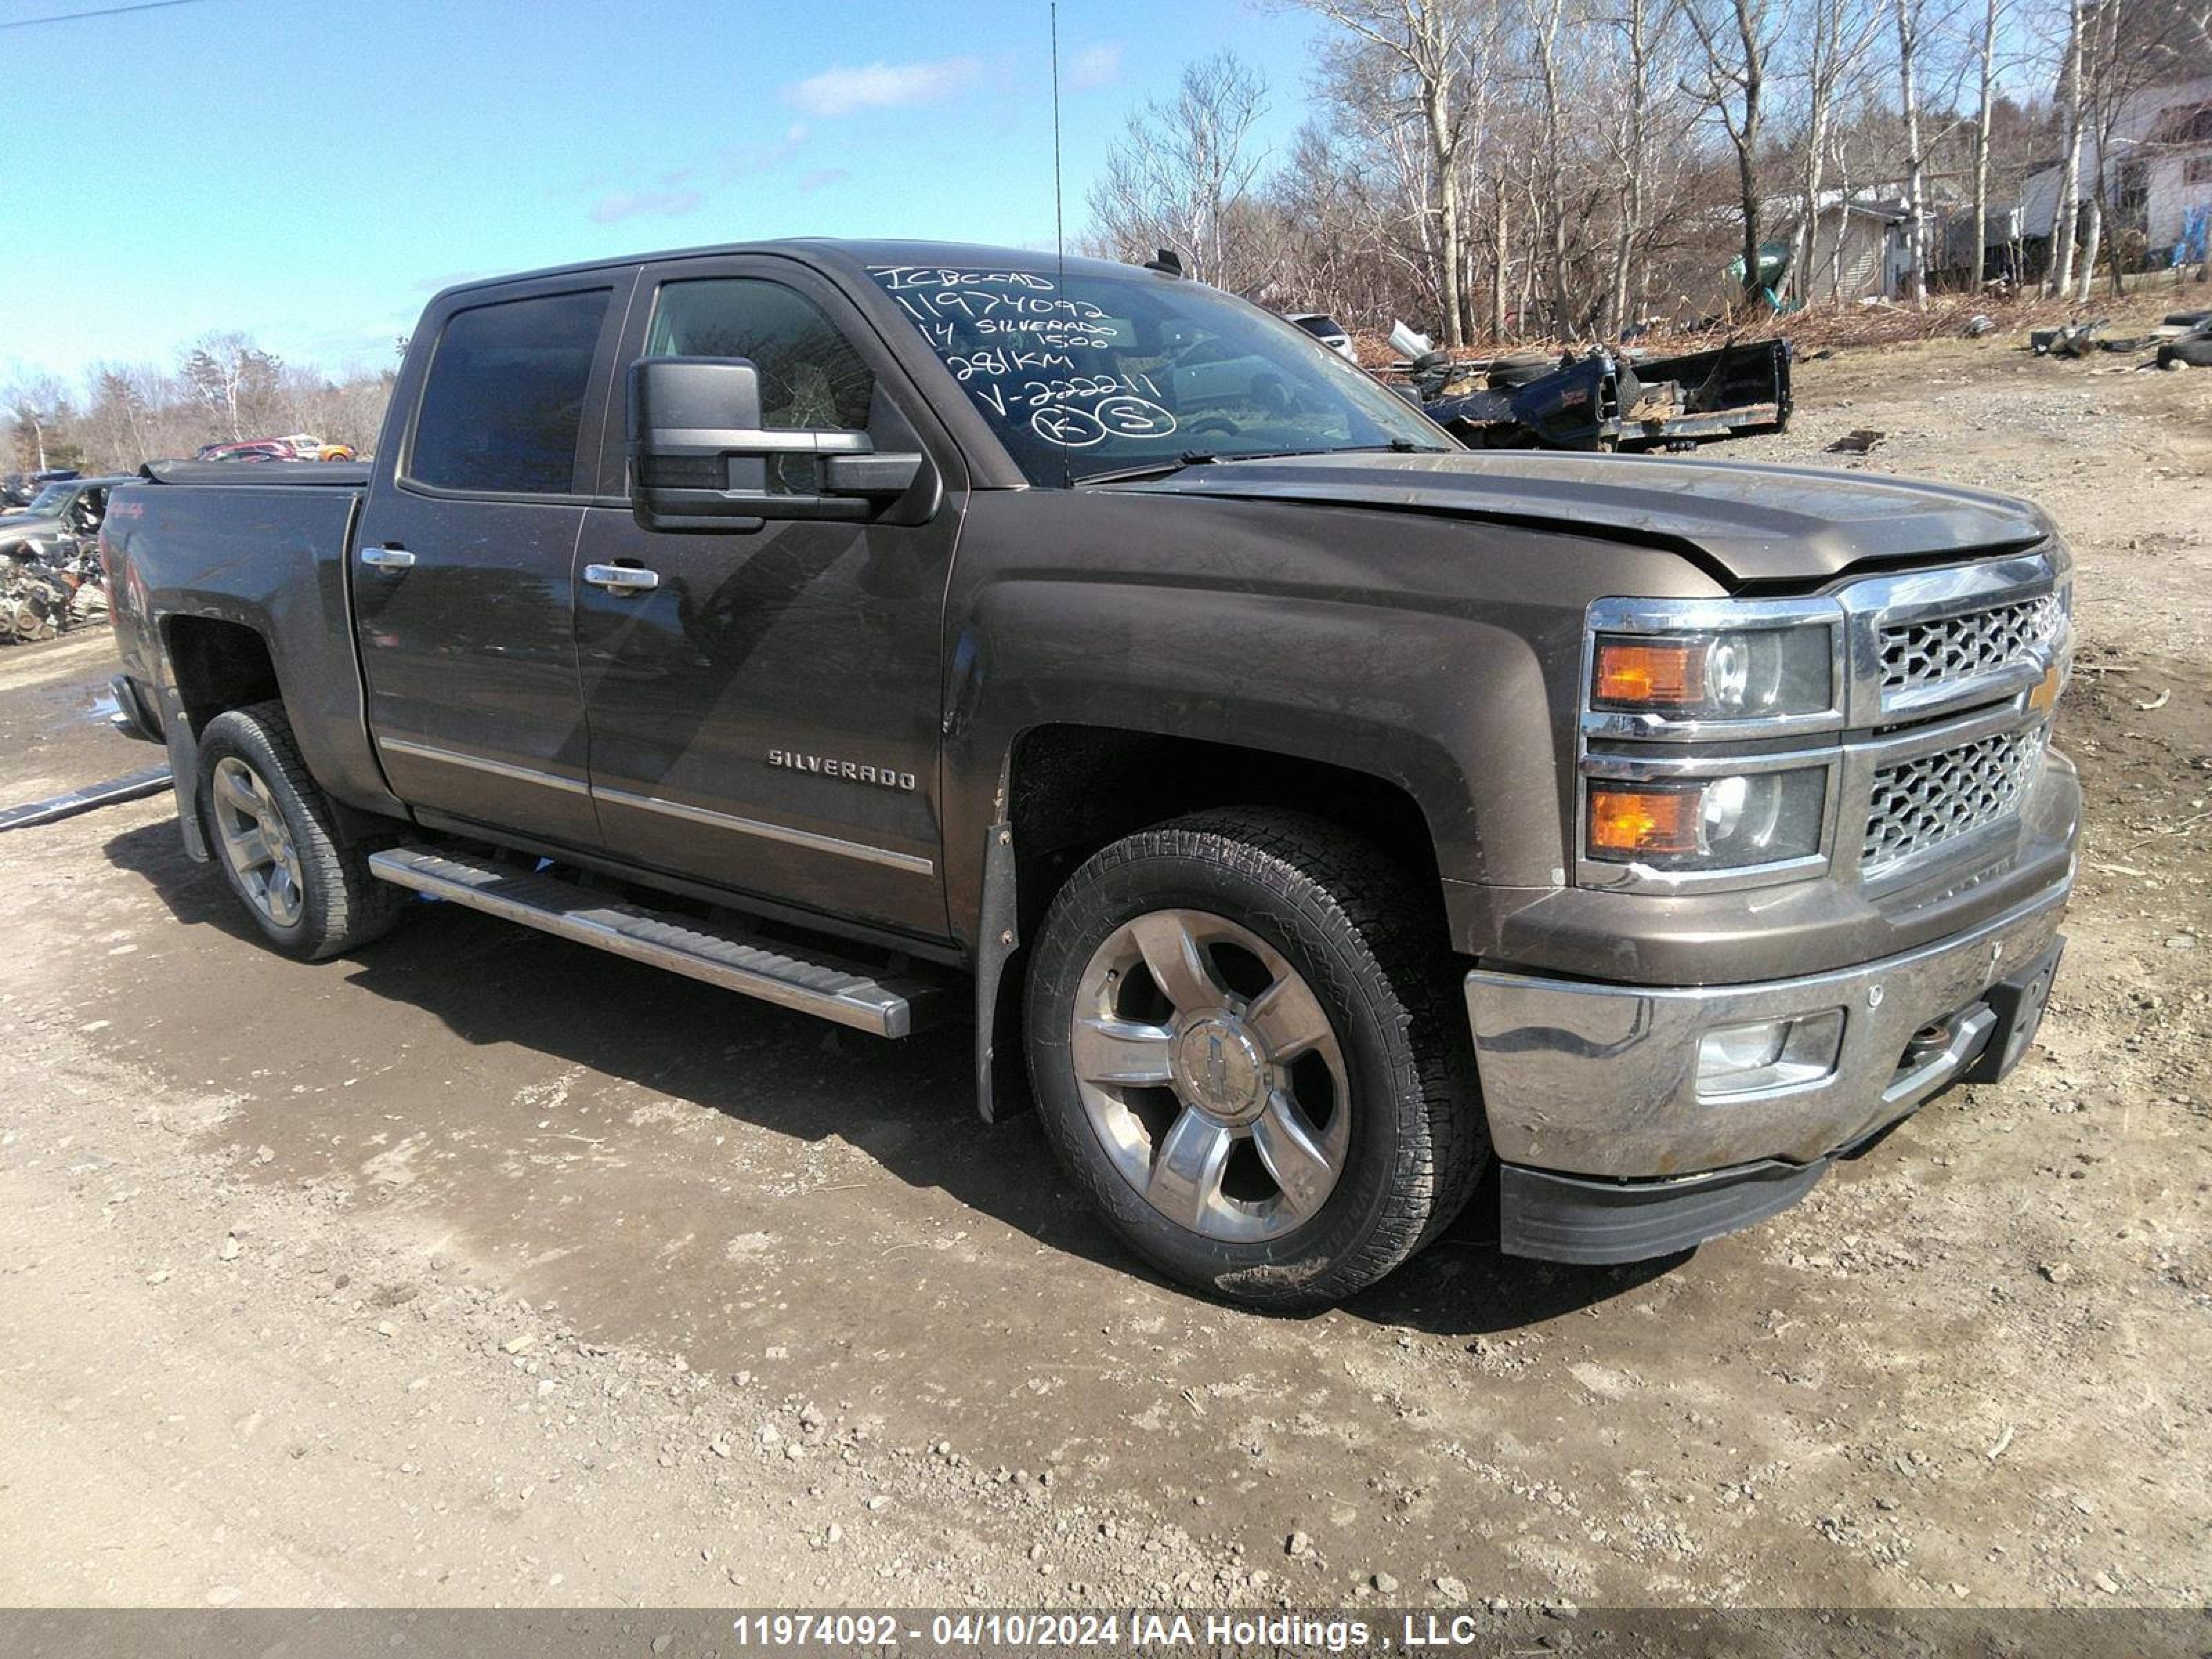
505, 397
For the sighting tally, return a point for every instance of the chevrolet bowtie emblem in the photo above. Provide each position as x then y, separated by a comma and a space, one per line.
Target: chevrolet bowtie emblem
2044, 697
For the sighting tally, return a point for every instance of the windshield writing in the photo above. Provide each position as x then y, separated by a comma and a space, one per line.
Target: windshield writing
1097, 374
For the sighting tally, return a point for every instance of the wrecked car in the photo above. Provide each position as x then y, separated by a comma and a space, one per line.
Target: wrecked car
1604, 399
56, 517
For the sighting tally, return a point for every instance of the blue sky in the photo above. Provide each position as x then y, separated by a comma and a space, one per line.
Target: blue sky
310, 173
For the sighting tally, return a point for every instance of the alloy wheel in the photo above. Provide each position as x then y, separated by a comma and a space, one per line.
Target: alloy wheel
257, 842
1210, 1075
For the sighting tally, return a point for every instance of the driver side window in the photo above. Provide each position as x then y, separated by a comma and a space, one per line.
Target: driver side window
811, 377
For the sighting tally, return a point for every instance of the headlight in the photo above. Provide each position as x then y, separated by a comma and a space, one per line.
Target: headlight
1738, 821
1745, 674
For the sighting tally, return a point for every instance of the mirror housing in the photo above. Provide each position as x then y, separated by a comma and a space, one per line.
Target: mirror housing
699, 459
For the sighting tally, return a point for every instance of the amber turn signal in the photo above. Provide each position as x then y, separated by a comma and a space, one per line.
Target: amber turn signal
1626, 819
1650, 673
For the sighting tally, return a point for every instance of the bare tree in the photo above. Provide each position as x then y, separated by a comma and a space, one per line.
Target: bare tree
1836, 36
235, 377
36, 403
1907, 13
1550, 198
1640, 29
1175, 177
2066, 212
1985, 115
1429, 38
1735, 36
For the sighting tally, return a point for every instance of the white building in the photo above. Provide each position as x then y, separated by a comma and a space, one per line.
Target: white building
2158, 172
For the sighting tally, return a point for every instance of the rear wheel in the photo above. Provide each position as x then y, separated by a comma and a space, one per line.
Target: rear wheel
274, 834
1247, 1052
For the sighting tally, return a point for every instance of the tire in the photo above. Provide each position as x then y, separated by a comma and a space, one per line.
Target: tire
2192, 351
313, 895
1383, 1138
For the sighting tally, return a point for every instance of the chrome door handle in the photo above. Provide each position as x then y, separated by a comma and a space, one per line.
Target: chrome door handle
620, 578
388, 558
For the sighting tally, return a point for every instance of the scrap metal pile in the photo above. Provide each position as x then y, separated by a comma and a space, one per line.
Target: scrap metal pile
43, 594
1602, 398
2183, 340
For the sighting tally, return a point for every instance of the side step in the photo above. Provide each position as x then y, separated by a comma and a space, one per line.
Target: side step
830, 989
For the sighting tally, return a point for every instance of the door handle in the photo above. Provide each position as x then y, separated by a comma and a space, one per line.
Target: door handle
620, 578
388, 558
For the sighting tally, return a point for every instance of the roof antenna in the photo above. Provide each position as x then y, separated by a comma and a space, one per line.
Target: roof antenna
1059, 218
1166, 261
1059, 214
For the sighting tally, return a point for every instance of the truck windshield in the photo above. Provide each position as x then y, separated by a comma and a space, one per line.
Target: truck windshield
1088, 375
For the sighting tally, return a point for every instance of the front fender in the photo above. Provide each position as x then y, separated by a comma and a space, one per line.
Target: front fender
1437, 655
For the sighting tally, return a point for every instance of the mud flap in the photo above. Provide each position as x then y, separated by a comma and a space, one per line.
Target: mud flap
184, 747
1002, 1086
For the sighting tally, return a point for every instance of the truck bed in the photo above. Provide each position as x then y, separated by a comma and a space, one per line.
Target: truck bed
207, 545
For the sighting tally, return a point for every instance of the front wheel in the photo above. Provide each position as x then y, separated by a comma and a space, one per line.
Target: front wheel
1247, 1052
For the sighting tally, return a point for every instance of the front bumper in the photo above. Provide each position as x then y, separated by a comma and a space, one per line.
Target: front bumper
1594, 1089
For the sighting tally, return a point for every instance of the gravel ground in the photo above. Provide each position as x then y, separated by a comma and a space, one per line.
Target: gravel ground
416, 1278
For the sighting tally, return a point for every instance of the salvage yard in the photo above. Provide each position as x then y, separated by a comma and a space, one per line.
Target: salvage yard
484, 1268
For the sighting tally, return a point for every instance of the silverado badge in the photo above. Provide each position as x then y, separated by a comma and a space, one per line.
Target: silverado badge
883, 777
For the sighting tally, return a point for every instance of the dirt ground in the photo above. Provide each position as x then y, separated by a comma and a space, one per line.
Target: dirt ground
482, 1268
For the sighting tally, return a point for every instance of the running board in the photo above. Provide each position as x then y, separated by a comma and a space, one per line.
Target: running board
843, 991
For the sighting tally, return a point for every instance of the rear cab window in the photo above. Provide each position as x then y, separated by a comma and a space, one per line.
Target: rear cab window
503, 403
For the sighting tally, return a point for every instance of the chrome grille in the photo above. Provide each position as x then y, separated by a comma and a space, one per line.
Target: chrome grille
1965, 647
1922, 803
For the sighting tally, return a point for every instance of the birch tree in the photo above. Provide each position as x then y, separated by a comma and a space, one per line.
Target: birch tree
1176, 176
1985, 115
1429, 38
1734, 38
2065, 212
1915, 163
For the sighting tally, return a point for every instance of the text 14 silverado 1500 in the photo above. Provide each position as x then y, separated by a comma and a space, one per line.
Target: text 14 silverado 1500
1307, 812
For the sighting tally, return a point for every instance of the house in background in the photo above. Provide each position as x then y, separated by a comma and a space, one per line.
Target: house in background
1858, 243
2154, 157
1862, 245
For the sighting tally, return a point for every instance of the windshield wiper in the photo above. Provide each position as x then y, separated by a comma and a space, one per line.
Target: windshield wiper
1149, 469
1395, 446
1196, 458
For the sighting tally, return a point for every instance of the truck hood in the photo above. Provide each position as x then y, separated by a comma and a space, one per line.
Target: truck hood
1757, 524
17, 528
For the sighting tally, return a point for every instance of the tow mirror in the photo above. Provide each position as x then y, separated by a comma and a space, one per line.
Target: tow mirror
700, 459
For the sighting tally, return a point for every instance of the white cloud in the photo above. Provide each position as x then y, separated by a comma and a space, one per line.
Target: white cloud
841, 90
1096, 66
765, 158
644, 204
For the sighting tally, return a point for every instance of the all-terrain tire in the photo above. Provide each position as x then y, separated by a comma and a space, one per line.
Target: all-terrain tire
1373, 953
342, 904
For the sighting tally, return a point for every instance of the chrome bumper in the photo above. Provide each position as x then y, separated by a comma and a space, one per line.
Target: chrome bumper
1602, 1080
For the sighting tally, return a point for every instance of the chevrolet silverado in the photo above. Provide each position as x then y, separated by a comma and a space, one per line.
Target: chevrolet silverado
1309, 814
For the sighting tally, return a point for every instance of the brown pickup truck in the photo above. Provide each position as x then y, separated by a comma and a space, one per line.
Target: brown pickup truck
1308, 812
